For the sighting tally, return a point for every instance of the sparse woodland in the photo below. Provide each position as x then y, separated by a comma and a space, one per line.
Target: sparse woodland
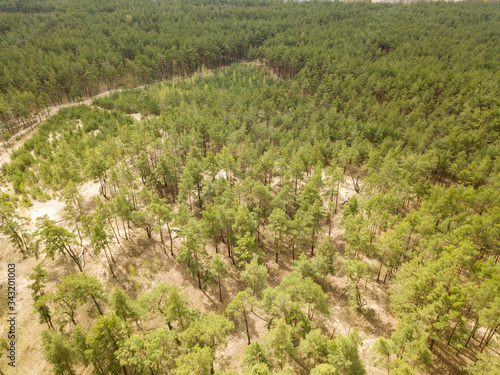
289, 159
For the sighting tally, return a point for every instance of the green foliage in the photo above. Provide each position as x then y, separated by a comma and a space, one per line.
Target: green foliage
57, 240
39, 280
323, 369
278, 343
156, 351
59, 352
245, 249
255, 275
383, 349
241, 303
73, 291
217, 271
486, 364
167, 300
314, 345
258, 369
131, 270
13, 225
255, 360
39, 295
343, 353
122, 305
193, 253
208, 331
107, 336
396, 102
198, 361
3, 346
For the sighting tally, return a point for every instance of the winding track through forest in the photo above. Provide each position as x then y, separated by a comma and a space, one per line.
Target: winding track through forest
50, 111
24, 134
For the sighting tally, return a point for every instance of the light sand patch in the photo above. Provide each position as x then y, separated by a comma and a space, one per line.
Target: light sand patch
136, 116
54, 209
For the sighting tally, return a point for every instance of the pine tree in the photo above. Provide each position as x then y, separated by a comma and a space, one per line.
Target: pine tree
255, 275
57, 240
59, 352
108, 334
38, 293
241, 304
217, 270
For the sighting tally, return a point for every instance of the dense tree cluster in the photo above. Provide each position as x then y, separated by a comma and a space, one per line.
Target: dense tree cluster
231, 165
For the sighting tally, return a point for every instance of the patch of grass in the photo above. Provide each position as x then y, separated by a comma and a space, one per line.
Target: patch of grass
131, 270
136, 285
26, 202
368, 313
3, 302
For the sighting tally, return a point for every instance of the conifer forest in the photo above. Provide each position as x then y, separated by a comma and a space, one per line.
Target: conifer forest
249, 187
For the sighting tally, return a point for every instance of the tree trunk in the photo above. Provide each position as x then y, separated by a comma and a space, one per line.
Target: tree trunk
117, 227
171, 241
379, 270
492, 333
246, 325
73, 319
344, 292
109, 264
124, 230
97, 305
473, 331
455, 327
312, 243
486, 333
113, 229
269, 325
162, 239
79, 233
73, 256
386, 273
431, 346
199, 195
220, 289
110, 254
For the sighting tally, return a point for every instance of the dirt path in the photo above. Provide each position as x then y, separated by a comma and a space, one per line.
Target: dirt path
24, 134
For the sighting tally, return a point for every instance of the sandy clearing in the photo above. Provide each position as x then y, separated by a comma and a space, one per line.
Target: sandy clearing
54, 209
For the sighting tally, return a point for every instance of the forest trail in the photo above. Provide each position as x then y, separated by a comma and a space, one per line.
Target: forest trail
51, 111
